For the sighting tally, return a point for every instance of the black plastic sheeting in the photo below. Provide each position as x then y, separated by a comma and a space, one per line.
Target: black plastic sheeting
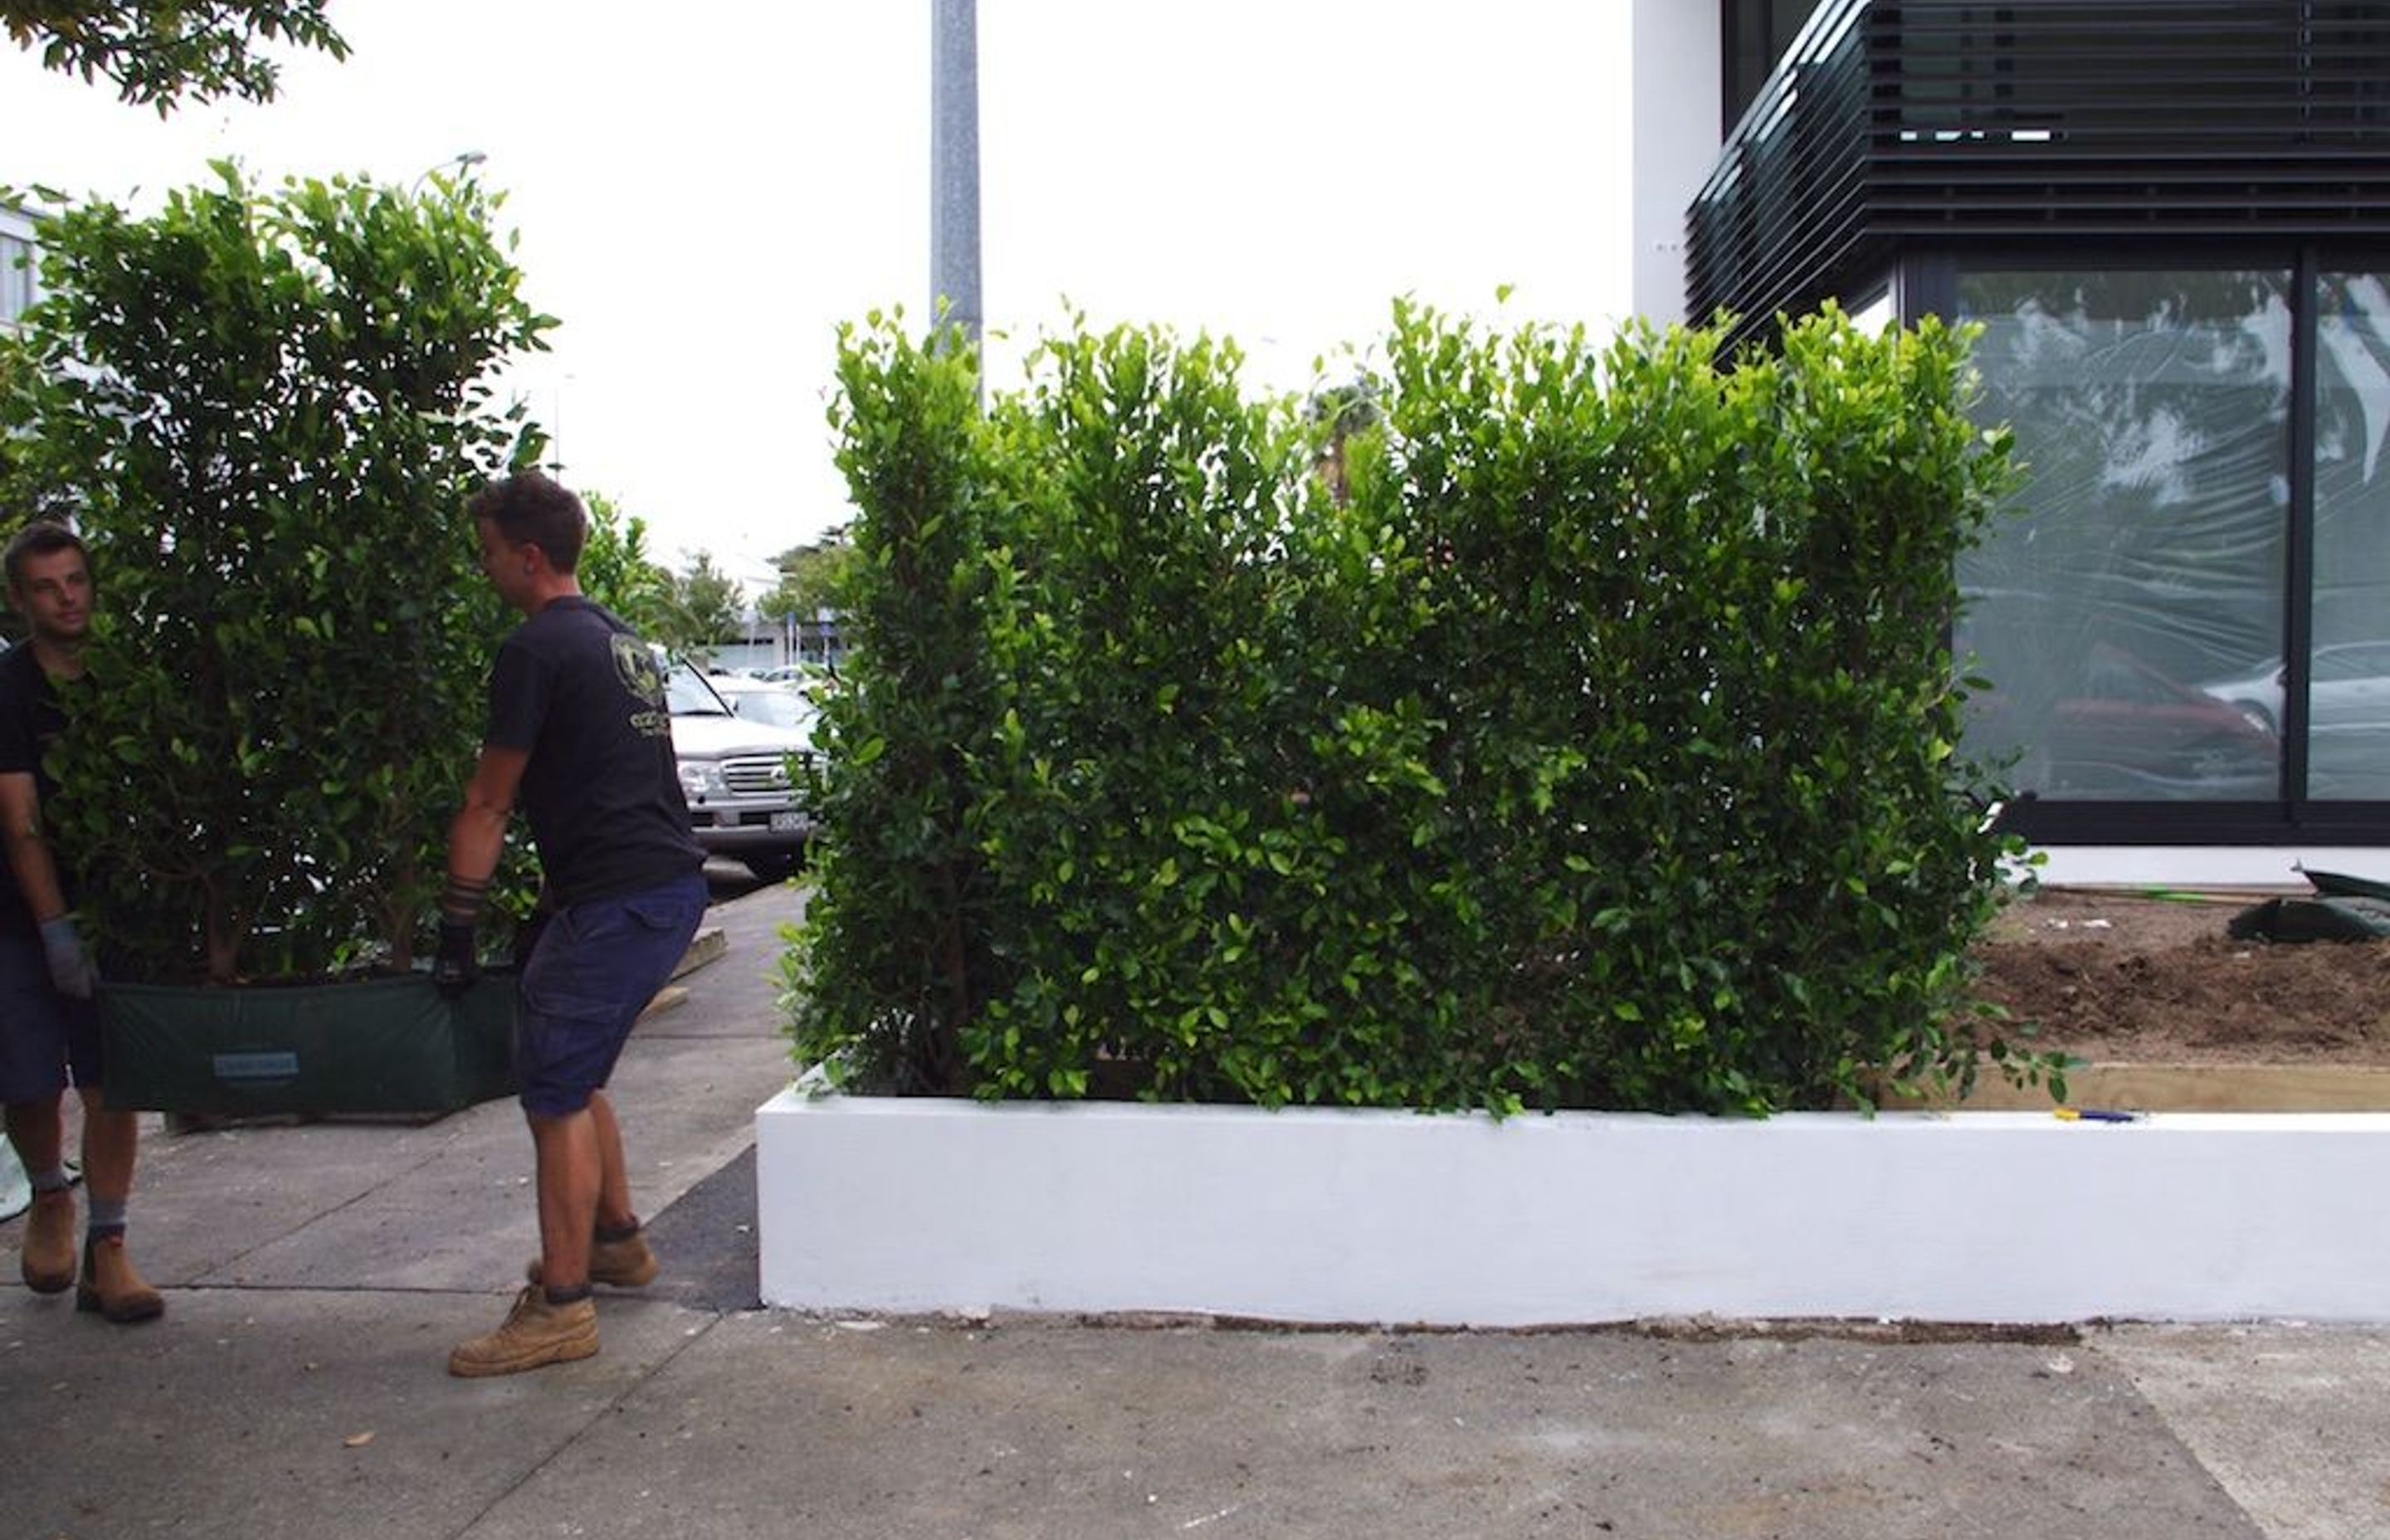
2345, 908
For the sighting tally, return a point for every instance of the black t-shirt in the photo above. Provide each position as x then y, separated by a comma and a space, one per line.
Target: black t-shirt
31, 720
585, 696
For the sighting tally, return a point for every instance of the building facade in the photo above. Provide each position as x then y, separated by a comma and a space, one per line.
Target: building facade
18, 275
2172, 222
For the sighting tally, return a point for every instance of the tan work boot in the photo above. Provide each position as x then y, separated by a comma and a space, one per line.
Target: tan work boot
624, 1264
112, 1287
49, 1261
536, 1333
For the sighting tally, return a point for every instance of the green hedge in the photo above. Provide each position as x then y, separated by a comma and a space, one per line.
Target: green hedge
1583, 736
264, 409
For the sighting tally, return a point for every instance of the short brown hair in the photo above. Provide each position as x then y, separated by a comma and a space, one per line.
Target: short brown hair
531, 508
42, 537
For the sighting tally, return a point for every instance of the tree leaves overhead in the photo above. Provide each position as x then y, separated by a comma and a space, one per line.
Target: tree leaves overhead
161, 52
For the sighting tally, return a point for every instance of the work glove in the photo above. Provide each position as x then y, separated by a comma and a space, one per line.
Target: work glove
454, 968
71, 968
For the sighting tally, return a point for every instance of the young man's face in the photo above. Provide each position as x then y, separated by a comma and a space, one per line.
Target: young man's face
508, 567
53, 592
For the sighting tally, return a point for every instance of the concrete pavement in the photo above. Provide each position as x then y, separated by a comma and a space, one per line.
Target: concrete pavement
318, 1273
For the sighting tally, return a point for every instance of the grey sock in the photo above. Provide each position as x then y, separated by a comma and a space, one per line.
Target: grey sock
53, 1180
105, 1218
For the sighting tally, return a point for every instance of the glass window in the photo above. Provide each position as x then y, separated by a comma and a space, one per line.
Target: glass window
687, 694
2137, 574
2348, 690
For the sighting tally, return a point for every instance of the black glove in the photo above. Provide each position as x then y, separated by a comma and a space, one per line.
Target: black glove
454, 968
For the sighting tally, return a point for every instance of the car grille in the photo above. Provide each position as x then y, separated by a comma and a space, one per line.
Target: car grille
759, 776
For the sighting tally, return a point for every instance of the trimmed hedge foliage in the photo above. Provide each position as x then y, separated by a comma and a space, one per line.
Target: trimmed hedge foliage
1580, 733
265, 409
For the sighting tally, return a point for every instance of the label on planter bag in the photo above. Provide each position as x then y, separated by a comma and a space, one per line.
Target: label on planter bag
257, 1066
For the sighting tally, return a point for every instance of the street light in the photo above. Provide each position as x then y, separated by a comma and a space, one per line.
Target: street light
954, 167
555, 431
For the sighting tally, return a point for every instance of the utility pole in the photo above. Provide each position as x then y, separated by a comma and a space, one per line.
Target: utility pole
954, 164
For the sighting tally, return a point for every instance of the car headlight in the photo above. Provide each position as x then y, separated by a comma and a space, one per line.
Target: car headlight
702, 777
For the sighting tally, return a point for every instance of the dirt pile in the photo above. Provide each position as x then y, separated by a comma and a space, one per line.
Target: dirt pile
2129, 977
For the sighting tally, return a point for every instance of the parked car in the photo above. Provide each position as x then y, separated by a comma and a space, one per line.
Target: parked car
760, 701
2121, 728
800, 674
2348, 714
745, 779
2348, 690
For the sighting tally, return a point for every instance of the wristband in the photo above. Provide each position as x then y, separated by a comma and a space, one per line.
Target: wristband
461, 898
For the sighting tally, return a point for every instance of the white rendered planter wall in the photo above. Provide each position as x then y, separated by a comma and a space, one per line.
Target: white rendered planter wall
1308, 1214
2276, 866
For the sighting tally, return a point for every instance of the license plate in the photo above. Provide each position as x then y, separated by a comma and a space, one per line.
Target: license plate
788, 823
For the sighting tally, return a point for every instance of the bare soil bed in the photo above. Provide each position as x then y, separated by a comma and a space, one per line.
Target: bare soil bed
2118, 977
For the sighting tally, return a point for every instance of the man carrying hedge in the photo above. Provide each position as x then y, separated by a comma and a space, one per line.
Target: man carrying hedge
49, 1025
579, 730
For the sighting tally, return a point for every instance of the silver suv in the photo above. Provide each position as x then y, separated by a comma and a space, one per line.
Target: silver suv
745, 780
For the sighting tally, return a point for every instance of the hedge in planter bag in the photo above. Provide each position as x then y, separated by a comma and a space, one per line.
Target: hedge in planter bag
265, 411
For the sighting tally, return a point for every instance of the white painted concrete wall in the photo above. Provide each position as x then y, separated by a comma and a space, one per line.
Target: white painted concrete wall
2207, 866
1674, 47
919, 1205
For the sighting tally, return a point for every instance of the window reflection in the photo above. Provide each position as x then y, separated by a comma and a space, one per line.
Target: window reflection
2348, 691
2142, 554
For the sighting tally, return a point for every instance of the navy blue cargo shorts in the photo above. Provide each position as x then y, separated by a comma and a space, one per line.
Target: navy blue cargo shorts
45, 1036
596, 966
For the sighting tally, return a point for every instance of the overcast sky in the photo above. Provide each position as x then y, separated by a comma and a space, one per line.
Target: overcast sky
701, 205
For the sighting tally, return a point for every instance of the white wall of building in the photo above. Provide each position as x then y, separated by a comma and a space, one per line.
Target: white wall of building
1675, 48
18, 280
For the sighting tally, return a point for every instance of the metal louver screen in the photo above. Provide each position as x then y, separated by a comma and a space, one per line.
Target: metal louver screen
1892, 118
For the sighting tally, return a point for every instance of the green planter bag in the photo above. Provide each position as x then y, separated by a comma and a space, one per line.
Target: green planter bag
393, 1044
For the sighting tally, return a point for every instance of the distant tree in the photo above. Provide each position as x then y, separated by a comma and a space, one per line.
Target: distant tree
157, 52
617, 571
705, 610
813, 578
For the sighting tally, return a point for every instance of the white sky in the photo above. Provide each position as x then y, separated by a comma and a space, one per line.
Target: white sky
702, 205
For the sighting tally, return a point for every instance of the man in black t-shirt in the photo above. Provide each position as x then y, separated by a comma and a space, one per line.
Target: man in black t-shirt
49, 1027
578, 731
